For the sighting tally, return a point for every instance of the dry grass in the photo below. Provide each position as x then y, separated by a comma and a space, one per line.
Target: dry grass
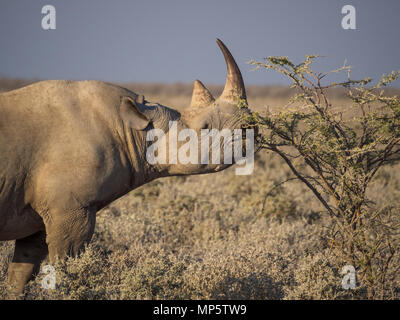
208, 237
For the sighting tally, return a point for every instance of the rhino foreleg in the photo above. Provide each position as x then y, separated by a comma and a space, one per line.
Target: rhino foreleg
68, 232
29, 252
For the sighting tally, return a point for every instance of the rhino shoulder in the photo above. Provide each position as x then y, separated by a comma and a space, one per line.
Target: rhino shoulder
107, 91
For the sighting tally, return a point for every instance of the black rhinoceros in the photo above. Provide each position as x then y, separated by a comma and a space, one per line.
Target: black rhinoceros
69, 148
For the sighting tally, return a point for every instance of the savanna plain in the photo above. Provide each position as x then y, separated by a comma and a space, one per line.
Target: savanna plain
215, 236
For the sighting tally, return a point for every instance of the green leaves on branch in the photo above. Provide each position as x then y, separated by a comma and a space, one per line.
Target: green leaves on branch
335, 150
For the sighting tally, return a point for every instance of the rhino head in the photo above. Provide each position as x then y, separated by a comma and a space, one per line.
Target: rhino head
207, 123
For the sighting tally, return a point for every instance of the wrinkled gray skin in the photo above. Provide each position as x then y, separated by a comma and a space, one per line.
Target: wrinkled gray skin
67, 149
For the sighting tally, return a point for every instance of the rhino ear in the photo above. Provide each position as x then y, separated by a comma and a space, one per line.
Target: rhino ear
131, 114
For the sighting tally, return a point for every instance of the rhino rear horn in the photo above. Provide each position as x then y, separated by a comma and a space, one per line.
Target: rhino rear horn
201, 97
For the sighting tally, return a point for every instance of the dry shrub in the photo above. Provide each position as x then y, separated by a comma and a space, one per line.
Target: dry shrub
337, 153
5, 259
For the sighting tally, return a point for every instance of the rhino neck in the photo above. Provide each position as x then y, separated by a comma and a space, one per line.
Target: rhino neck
134, 151
135, 145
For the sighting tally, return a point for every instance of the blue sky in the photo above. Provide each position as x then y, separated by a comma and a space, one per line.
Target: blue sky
174, 40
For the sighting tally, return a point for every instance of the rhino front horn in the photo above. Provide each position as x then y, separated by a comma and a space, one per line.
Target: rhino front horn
234, 86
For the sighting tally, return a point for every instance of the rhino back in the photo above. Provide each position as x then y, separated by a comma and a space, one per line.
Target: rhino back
51, 119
